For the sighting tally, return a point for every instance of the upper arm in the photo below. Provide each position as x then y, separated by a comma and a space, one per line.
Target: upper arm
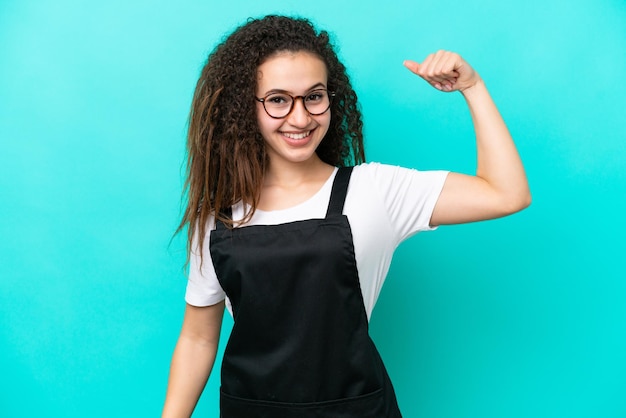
466, 198
203, 323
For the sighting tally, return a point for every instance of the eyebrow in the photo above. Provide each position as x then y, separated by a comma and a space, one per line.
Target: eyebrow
313, 87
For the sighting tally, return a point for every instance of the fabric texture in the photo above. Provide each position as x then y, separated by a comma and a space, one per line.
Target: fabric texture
300, 346
385, 205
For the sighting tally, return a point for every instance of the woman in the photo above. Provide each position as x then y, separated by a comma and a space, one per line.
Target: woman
294, 241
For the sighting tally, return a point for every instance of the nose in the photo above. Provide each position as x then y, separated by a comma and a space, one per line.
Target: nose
299, 116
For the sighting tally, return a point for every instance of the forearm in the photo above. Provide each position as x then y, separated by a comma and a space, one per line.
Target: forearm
193, 359
189, 371
498, 161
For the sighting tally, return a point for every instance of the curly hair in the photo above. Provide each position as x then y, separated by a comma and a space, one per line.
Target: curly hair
226, 156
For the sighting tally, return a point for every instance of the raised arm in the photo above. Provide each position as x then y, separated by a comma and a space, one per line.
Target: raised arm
193, 359
499, 187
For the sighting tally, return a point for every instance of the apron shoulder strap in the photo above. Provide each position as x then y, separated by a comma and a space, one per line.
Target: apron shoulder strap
339, 191
228, 213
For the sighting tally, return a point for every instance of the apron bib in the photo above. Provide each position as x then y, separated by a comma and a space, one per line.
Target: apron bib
299, 347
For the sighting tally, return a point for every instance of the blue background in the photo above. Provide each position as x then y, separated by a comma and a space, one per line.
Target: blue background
518, 317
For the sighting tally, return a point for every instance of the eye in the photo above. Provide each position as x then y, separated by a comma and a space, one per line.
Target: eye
278, 99
315, 96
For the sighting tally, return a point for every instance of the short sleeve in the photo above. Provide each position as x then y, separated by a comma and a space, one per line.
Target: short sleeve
203, 287
408, 195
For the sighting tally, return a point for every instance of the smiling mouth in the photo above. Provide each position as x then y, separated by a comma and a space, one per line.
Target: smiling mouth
301, 135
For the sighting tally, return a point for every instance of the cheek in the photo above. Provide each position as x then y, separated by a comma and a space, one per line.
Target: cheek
266, 124
324, 122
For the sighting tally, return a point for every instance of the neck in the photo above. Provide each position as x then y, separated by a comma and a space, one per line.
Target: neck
288, 184
286, 174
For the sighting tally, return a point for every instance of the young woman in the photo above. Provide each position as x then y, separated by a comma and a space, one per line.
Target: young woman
292, 239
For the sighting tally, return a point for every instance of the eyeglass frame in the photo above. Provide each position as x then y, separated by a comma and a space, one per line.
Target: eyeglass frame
331, 95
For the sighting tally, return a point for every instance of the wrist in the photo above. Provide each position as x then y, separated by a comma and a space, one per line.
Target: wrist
476, 89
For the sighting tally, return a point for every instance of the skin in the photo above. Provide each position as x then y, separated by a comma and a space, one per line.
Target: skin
499, 187
193, 359
295, 173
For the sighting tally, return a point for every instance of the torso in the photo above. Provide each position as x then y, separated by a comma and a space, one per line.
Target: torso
385, 205
299, 347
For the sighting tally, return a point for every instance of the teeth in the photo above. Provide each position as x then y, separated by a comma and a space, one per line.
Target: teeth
297, 136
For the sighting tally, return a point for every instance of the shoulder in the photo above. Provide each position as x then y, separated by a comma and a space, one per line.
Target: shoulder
376, 170
367, 171
376, 174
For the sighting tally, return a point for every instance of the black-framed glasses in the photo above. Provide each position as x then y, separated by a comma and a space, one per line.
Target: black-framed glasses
280, 105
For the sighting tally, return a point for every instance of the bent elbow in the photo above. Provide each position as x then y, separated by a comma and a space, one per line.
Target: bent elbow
517, 203
528, 199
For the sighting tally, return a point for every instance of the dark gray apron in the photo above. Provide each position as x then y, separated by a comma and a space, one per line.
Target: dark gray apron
299, 347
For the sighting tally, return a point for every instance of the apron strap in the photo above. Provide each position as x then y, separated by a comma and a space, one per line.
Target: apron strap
228, 213
339, 191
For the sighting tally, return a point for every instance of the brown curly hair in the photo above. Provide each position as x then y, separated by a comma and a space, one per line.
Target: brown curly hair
226, 156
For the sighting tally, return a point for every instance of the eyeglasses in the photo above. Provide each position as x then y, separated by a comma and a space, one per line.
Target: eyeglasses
280, 105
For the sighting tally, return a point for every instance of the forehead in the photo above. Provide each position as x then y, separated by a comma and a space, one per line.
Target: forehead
293, 72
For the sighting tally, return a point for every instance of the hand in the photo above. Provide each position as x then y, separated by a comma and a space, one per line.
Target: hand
445, 71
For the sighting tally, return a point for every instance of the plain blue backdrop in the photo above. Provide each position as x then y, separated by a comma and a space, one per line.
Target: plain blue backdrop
518, 317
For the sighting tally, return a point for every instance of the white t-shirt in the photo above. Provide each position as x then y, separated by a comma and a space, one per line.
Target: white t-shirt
385, 205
